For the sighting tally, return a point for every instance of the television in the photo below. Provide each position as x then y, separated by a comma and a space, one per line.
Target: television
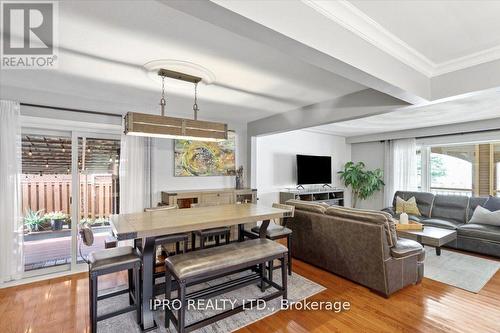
314, 169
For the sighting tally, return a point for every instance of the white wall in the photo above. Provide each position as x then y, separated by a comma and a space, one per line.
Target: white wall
372, 154
276, 164
162, 164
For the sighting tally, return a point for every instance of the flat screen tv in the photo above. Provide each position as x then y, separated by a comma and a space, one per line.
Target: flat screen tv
314, 169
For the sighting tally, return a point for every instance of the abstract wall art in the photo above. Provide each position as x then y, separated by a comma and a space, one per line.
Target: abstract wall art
201, 158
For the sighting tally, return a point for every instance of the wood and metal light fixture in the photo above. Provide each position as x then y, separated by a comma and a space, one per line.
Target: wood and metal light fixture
161, 126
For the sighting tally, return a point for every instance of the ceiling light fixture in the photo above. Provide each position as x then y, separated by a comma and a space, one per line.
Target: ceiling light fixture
142, 124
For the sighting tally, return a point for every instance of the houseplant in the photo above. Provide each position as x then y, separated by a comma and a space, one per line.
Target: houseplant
56, 219
364, 183
33, 219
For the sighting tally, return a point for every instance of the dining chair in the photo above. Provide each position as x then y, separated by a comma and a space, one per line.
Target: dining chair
107, 261
278, 230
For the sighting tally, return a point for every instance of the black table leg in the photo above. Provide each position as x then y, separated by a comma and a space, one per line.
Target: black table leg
241, 231
263, 228
148, 251
438, 250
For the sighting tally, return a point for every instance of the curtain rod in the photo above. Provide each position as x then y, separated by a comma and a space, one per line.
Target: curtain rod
459, 133
74, 110
451, 134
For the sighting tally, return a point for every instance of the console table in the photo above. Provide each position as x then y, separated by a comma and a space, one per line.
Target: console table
329, 196
210, 197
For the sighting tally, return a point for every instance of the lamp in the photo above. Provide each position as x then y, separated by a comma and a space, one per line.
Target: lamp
143, 124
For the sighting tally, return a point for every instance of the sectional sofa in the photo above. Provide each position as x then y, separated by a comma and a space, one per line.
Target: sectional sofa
359, 245
454, 212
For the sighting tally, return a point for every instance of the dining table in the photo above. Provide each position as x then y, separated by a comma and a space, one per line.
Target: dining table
145, 227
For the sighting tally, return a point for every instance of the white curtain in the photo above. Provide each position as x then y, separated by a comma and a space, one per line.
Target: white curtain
134, 174
11, 222
400, 168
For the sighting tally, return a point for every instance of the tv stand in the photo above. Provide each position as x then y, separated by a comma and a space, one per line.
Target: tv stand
300, 187
333, 197
326, 185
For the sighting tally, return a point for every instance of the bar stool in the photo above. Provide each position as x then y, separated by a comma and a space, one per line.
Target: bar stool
205, 234
278, 230
109, 261
171, 239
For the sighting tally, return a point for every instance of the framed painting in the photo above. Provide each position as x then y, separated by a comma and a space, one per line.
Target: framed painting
202, 158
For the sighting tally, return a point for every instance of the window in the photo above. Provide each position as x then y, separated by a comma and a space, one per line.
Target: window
451, 169
460, 169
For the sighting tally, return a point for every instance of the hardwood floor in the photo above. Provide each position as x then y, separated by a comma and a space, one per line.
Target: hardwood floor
60, 305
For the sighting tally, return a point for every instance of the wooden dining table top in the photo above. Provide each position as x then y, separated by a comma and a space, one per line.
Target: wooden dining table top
167, 222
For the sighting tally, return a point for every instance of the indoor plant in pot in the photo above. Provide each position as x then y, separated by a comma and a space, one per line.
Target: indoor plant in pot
56, 219
364, 183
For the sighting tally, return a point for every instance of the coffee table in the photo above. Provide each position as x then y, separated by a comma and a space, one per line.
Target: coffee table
432, 236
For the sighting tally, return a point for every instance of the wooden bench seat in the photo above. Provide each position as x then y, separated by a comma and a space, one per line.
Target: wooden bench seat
203, 265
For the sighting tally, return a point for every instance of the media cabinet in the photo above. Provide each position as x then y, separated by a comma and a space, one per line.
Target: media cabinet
329, 196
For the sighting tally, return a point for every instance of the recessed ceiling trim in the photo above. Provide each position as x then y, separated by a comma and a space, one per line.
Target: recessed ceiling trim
350, 17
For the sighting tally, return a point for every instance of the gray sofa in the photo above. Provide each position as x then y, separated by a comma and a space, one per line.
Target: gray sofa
359, 245
454, 212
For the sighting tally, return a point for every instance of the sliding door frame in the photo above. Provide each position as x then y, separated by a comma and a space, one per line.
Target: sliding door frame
75, 188
58, 268
73, 129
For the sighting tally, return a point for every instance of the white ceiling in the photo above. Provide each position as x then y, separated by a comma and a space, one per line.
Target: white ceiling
477, 107
442, 31
108, 47
275, 56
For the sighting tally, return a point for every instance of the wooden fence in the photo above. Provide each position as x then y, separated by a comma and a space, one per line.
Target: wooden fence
53, 193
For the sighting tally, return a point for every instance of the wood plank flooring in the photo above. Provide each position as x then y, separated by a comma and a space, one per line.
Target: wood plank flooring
61, 305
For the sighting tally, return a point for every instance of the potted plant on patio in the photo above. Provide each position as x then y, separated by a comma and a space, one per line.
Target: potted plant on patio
100, 221
33, 219
56, 219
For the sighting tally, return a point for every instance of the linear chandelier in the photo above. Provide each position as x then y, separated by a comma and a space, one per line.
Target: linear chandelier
144, 124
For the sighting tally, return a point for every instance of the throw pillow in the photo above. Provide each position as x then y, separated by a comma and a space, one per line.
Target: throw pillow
484, 216
492, 204
409, 206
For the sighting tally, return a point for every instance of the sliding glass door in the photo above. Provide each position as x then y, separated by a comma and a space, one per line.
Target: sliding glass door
68, 178
46, 185
98, 165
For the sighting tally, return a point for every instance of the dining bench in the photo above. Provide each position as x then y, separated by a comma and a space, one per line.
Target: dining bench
208, 264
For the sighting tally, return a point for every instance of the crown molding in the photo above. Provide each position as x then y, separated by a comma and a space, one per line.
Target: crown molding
319, 131
470, 60
350, 17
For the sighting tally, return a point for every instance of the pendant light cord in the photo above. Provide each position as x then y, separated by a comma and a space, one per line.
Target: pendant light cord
163, 101
195, 105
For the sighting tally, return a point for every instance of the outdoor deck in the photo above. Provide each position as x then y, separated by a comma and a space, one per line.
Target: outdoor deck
55, 251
